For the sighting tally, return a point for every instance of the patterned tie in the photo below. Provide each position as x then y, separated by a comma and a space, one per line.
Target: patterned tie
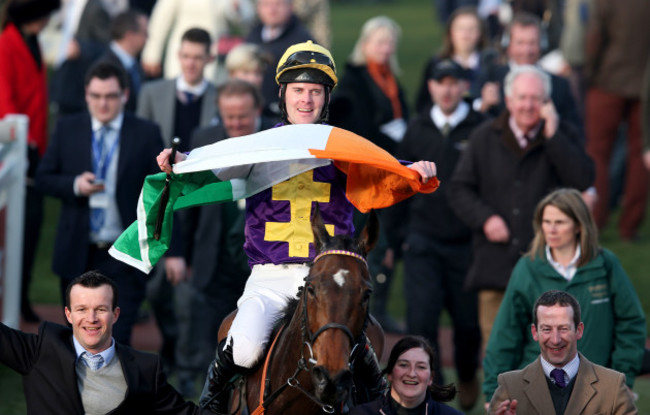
558, 377
98, 215
93, 361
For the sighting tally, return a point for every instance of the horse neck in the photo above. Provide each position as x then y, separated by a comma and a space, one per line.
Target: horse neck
289, 345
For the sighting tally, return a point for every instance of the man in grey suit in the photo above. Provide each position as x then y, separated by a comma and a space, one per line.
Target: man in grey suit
179, 106
561, 380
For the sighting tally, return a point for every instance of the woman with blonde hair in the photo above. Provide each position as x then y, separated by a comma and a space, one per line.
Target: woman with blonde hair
565, 255
369, 100
247, 61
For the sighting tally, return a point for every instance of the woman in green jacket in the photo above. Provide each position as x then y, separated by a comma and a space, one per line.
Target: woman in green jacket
565, 255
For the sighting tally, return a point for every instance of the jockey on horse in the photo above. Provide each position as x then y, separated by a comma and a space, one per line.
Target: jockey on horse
279, 241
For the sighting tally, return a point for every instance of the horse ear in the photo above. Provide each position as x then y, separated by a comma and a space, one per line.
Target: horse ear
370, 233
321, 237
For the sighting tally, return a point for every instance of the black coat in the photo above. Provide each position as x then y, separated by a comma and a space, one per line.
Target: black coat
383, 406
68, 155
360, 106
47, 363
430, 214
495, 176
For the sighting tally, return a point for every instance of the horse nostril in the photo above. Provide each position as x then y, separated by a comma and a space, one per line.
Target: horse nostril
320, 376
344, 379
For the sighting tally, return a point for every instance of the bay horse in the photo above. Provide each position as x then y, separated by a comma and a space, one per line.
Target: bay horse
307, 369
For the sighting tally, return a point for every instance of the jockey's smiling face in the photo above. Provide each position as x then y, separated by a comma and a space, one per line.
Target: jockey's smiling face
304, 102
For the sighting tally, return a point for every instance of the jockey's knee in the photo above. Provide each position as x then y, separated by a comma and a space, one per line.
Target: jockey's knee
246, 352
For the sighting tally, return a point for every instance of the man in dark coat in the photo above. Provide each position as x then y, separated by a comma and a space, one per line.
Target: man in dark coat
437, 245
509, 164
94, 164
59, 375
128, 36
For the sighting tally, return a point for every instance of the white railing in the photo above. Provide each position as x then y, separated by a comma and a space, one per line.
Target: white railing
13, 167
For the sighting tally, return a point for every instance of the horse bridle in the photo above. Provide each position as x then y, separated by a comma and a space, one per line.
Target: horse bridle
308, 338
311, 337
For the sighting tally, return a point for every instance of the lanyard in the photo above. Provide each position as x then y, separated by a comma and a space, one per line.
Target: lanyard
101, 158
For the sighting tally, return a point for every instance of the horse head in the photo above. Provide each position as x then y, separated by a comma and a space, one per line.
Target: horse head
336, 296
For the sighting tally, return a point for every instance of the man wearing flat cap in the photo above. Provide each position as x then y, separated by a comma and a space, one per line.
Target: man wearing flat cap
437, 245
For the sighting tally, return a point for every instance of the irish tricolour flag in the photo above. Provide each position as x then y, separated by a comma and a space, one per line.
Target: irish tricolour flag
375, 179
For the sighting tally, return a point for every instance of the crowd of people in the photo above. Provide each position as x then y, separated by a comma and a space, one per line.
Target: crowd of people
516, 115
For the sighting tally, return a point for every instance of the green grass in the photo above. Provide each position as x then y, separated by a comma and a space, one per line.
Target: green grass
420, 38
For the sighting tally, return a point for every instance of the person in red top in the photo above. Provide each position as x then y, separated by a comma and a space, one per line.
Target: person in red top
23, 90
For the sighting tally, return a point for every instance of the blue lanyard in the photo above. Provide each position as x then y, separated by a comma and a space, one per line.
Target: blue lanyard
102, 159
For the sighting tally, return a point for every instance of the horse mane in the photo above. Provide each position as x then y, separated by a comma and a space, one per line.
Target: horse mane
342, 242
284, 318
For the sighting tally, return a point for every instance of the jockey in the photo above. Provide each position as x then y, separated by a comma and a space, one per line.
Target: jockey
279, 240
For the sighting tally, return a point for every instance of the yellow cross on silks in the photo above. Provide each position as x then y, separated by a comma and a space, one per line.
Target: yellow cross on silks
300, 191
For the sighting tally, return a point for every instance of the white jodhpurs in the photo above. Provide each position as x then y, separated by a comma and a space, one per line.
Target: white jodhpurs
268, 290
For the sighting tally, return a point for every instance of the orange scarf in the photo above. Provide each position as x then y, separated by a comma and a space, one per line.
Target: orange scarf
385, 80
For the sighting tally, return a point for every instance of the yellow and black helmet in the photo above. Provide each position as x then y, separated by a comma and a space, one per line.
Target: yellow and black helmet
307, 62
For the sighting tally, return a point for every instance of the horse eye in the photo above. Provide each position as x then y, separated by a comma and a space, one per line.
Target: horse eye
366, 296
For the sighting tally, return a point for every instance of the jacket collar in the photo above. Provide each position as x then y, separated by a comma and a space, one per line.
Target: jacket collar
537, 392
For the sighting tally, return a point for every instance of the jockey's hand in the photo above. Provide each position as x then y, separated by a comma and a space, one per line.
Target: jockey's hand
427, 169
163, 159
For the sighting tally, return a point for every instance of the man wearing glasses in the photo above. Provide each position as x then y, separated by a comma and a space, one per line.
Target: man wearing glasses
94, 164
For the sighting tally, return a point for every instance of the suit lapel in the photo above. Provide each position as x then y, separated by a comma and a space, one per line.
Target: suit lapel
584, 388
128, 368
126, 144
536, 388
69, 372
207, 106
167, 102
84, 145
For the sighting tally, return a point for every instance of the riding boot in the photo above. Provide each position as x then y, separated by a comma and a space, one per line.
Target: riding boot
369, 381
221, 375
